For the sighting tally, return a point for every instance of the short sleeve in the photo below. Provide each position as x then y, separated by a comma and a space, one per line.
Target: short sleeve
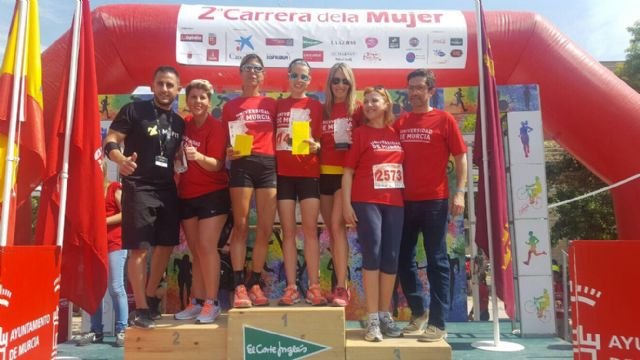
122, 122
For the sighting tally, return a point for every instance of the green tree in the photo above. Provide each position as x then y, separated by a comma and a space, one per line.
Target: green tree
629, 71
589, 218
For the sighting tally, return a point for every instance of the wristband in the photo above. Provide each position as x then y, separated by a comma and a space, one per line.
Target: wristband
461, 191
109, 147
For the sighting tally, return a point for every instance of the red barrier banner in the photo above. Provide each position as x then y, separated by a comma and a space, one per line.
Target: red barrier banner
29, 293
604, 299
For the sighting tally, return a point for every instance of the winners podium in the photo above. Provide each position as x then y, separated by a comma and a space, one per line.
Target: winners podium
293, 332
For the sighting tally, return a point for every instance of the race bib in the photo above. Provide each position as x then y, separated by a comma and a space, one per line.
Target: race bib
388, 176
342, 133
283, 139
235, 128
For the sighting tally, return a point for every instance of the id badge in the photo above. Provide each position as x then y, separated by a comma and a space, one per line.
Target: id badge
162, 161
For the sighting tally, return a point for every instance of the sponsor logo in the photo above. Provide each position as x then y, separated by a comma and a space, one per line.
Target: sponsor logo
244, 41
439, 41
213, 55
343, 53
439, 53
313, 55
394, 42
371, 42
343, 56
371, 57
456, 41
411, 57
191, 37
343, 42
456, 53
279, 42
413, 42
5, 296
278, 57
235, 56
309, 42
264, 344
211, 39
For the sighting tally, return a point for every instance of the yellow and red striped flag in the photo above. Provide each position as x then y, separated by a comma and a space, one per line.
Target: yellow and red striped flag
30, 139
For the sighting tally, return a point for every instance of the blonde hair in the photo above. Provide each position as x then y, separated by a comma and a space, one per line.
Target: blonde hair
351, 95
388, 113
201, 84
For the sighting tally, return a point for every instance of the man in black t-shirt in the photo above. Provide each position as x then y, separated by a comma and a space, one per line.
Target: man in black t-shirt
151, 132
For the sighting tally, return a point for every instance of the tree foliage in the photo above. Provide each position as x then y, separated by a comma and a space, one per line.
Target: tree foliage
629, 71
590, 218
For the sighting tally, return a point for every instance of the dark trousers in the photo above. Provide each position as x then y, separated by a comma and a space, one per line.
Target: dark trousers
430, 218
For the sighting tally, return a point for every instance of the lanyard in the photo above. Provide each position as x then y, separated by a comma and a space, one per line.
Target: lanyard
162, 140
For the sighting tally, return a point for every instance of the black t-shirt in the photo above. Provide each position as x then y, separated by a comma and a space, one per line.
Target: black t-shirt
151, 132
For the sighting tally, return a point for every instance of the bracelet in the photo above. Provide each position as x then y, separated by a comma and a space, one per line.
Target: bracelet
461, 190
109, 147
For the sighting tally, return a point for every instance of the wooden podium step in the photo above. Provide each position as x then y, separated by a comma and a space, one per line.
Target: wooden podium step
405, 348
286, 333
182, 340
272, 333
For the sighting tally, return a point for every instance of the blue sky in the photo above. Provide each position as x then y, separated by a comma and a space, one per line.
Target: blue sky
596, 26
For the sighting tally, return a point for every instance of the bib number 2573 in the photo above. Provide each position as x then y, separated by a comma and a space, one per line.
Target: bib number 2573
388, 176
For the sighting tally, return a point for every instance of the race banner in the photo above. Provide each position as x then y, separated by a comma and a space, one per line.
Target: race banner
366, 39
29, 294
604, 299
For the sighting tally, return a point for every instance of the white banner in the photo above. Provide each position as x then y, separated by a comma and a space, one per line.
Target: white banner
366, 39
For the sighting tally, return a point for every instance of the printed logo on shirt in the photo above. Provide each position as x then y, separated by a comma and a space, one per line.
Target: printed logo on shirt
420, 135
153, 130
254, 115
190, 142
385, 145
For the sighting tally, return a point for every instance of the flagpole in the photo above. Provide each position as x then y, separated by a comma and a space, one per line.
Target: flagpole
71, 97
485, 178
18, 67
475, 291
487, 345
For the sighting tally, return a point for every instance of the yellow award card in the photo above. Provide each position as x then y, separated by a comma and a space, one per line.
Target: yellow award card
243, 145
301, 132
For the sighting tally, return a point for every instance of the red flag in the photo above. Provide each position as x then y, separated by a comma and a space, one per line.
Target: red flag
84, 252
501, 238
31, 150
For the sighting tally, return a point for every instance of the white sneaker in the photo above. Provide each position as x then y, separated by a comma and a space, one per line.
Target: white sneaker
416, 325
389, 328
120, 339
373, 332
209, 313
432, 334
190, 312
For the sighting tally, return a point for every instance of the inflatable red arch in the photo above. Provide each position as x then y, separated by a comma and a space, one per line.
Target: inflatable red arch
585, 107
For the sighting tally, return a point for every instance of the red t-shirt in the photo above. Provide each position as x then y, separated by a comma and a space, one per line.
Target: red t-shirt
428, 139
332, 159
376, 157
114, 232
210, 140
297, 165
253, 115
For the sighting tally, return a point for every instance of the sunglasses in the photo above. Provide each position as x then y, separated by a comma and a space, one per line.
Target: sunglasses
295, 76
252, 68
336, 81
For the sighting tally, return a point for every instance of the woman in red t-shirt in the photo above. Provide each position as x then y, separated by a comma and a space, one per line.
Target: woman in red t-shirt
372, 188
341, 114
249, 120
298, 180
204, 200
